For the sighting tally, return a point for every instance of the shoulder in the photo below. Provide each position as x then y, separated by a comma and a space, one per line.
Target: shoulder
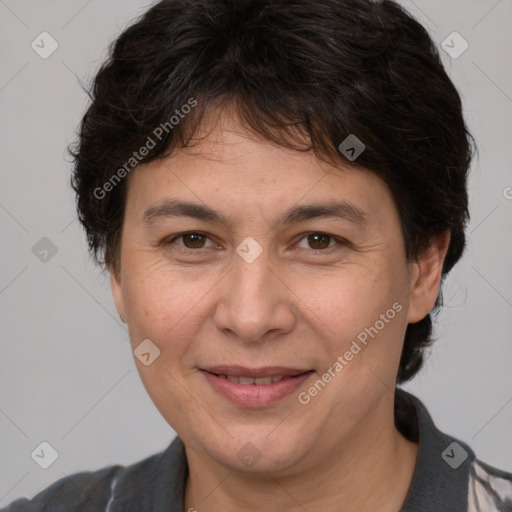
489, 489
84, 491
90, 491
449, 476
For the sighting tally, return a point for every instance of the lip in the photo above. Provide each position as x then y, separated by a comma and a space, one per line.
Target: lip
267, 371
251, 395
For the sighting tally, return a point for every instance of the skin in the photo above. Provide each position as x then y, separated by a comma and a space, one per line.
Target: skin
293, 306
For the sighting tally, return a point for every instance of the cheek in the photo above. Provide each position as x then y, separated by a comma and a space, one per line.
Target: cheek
360, 318
162, 305
344, 303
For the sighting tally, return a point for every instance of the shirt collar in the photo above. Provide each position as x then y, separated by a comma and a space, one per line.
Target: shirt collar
440, 481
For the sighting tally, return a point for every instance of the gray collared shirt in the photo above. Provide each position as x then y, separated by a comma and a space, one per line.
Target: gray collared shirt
447, 478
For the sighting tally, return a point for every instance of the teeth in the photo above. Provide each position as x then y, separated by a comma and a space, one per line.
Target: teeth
260, 381
263, 381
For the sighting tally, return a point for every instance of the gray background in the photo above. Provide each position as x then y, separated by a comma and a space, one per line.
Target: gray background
68, 375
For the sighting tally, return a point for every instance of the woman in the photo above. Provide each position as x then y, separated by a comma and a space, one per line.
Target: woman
277, 188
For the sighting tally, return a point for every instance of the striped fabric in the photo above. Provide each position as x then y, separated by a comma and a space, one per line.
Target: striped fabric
489, 489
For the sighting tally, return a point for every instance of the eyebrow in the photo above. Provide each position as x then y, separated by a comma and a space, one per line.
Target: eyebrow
172, 208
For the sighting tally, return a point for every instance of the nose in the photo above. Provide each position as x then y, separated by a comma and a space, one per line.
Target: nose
255, 303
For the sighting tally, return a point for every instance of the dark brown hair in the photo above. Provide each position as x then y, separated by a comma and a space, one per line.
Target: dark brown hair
324, 68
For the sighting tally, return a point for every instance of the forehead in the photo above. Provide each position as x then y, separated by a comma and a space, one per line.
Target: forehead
236, 169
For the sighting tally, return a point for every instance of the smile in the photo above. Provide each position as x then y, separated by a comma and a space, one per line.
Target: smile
260, 381
257, 387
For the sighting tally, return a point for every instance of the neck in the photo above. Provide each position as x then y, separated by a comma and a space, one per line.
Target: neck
372, 470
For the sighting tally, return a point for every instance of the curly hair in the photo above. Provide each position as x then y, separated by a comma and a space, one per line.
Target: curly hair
325, 69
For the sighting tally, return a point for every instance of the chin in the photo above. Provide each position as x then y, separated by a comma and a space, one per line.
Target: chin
250, 450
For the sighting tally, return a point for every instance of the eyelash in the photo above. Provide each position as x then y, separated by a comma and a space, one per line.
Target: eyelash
339, 241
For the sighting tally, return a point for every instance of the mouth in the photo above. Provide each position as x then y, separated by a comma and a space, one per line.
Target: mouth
255, 387
259, 381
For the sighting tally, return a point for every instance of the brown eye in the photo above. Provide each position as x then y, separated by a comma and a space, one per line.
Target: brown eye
193, 240
188, 242
319, 241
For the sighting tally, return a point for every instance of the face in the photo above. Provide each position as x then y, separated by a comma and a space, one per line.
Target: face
286, 270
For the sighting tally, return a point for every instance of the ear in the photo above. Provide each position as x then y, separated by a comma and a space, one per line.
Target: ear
117, 291
426, 278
